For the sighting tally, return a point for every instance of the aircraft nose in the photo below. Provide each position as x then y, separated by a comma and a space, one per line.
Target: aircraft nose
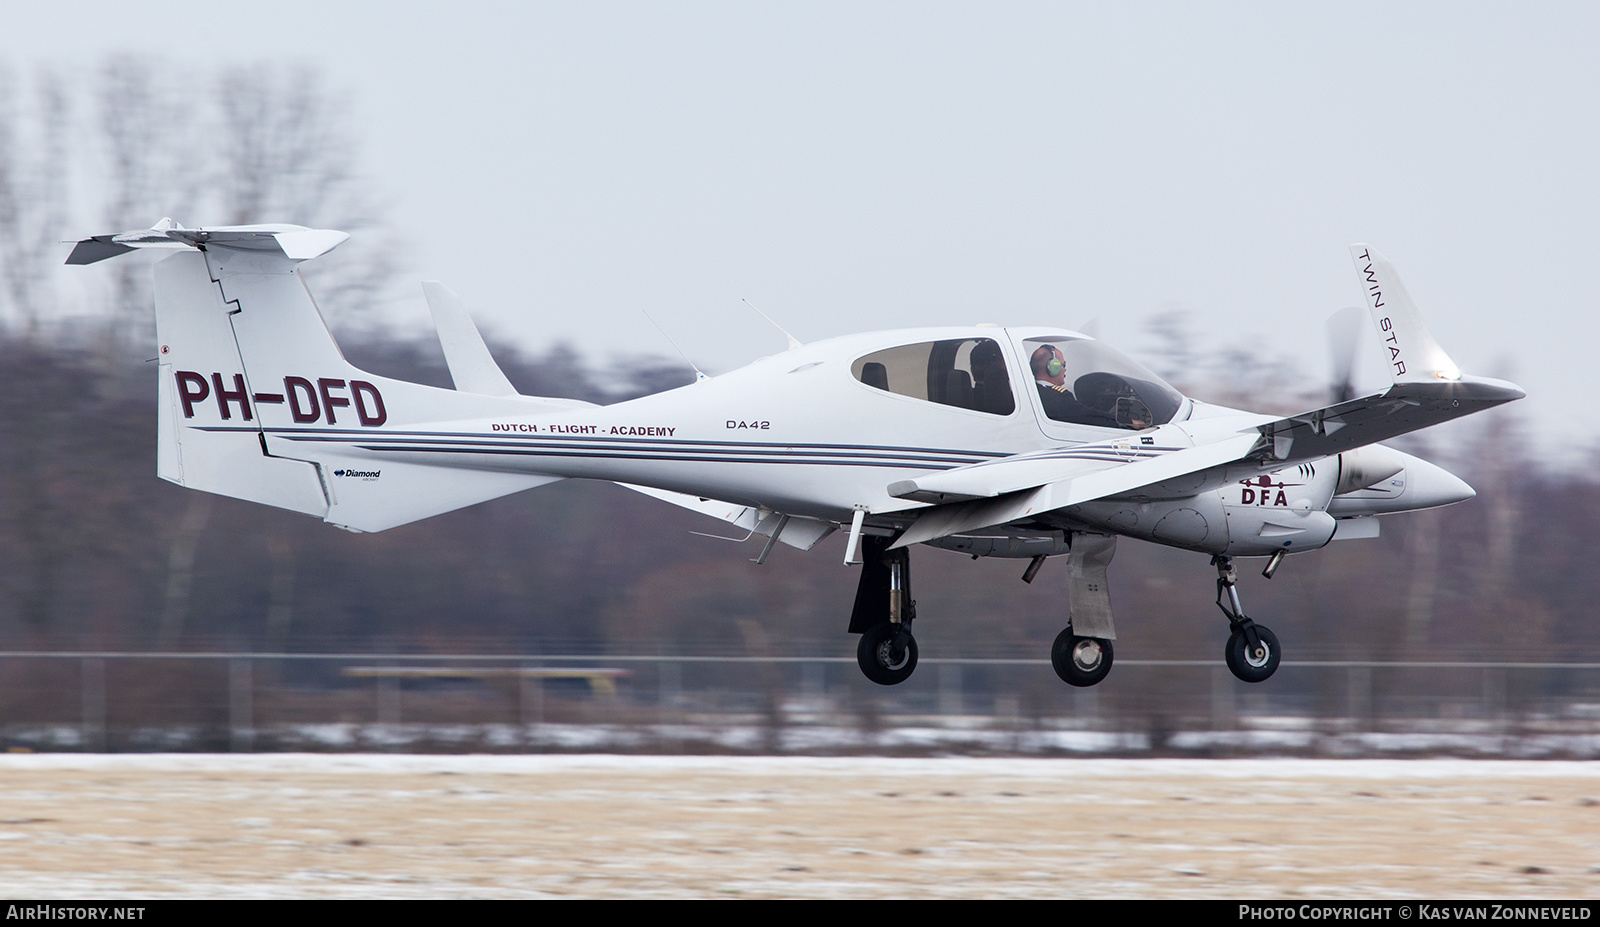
1429, 485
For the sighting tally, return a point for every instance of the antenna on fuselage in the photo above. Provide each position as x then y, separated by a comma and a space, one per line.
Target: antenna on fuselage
698, 373
793, 341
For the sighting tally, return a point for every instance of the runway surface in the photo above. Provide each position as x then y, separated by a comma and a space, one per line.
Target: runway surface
402, 826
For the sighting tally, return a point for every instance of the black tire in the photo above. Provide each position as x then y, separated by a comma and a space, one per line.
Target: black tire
1253, 667
1080, 661
887, 654
1227, 656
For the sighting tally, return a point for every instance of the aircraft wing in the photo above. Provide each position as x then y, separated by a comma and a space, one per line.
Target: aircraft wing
1427, 388
993, 493
1402, 408
1099, 469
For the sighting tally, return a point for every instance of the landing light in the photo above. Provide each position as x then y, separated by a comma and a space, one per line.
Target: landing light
1451, 374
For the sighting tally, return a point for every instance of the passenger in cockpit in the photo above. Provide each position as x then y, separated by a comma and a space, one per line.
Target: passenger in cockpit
1050, 375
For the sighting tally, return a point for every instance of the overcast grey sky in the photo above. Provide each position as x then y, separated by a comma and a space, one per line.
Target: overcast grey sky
858, 166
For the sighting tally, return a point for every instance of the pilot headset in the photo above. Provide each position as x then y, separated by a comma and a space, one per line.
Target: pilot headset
1055, 364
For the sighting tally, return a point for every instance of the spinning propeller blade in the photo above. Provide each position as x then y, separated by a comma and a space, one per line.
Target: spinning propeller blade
1344, 340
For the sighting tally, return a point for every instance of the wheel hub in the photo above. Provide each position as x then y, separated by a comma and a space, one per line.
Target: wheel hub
1086, 654
891, 657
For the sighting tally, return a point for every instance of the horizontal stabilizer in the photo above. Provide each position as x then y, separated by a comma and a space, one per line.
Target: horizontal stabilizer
91, 250
293, 243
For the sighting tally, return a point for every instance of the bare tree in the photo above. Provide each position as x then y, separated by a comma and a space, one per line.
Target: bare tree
148, 133
286, 155
33, 146
1173, 356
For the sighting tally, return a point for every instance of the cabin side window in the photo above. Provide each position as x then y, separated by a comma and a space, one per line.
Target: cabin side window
967, 373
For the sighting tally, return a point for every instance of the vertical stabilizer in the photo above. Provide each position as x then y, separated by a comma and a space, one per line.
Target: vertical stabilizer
210, 436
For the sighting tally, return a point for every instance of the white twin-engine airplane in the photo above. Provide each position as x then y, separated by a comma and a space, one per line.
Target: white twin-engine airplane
994, 442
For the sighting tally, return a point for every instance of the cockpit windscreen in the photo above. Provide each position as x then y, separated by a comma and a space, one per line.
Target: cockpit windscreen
1084, 382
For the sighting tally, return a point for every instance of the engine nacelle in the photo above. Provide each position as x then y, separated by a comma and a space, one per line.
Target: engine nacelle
1420, 485
1255, 517
1259, 533
1284, 510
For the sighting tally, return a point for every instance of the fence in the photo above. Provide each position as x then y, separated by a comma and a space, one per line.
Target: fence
118, 701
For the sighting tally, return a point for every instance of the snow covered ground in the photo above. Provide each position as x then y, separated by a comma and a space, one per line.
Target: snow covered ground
290, 825
1264, 737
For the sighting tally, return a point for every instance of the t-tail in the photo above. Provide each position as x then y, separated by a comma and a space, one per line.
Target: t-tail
258, 403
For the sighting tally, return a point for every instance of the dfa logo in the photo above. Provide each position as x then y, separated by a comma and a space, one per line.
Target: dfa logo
1264, 491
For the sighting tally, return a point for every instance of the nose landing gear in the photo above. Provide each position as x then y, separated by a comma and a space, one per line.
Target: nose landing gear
1252, 651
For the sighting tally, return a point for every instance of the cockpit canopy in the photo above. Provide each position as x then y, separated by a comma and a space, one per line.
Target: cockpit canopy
1085, 382
1079, 380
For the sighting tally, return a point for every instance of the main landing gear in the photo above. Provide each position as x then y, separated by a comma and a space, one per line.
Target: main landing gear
1080, 661
1252, 651
883, 613
1082, 652
887, 653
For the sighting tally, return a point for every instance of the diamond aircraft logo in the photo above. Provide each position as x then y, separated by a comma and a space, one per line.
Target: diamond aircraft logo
362, 474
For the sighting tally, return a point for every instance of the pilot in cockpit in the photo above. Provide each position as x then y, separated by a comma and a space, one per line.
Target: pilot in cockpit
1050, 375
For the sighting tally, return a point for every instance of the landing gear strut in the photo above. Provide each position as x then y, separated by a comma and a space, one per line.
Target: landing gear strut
884, 610
1252, 651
